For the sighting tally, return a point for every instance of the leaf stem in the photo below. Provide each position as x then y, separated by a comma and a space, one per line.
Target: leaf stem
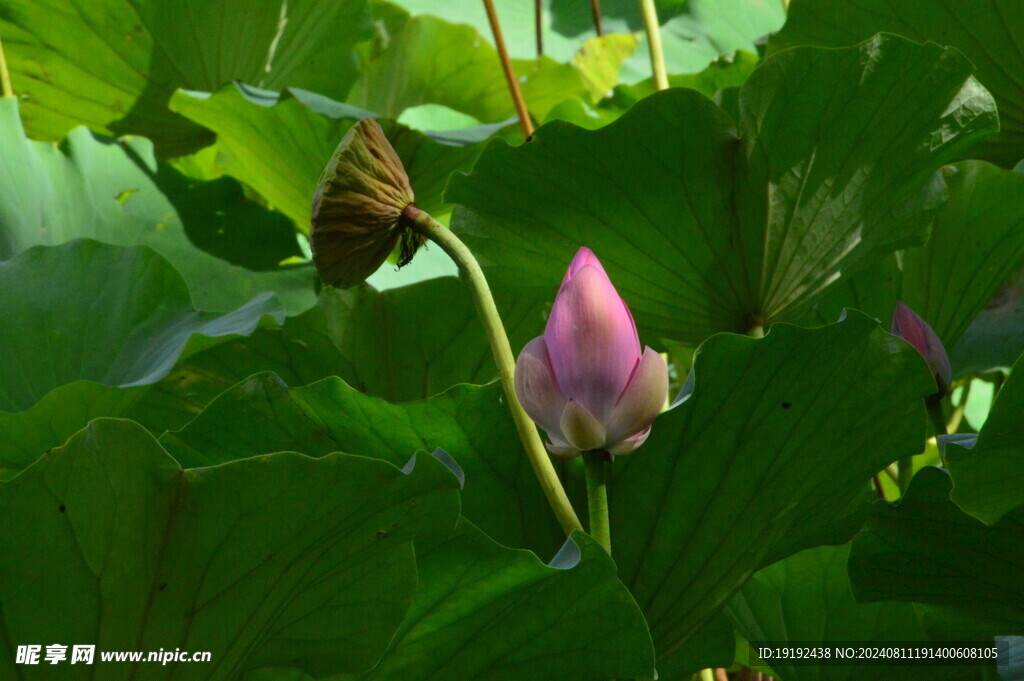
596, 463
879, 490
424, 224
957, 415
5, 77
538, 25
934, 405
904, 472
510, 75
595, 10
652, 27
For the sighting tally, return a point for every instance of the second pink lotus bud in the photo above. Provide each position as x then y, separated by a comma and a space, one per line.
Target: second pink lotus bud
909, 326
586, 381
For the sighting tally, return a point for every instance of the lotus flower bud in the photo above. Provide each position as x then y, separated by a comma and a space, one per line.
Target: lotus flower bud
586, 381
909, 326
359, 207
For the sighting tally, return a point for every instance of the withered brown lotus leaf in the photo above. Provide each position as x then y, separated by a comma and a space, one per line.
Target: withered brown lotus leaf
357, 208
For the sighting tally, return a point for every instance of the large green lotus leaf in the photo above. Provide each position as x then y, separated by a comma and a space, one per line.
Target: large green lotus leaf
702, 231
415, 341
431, 61
128, 57
988, 476
776, 441
279, 145
926, 550
984, 30
483, 612
807, 597
470, 423
694, 33
57, 416
486, 613
275, 560
977, 241
873, 290
995, 339
713, 646
402, 344
112, 192
86, 311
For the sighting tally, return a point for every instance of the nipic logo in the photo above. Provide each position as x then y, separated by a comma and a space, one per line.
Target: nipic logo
55, 653
86, 654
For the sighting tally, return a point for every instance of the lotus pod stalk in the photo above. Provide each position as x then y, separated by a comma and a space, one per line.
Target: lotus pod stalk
362, 209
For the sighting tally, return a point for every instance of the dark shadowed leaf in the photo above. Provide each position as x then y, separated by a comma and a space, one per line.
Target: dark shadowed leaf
926, 550
275, 560
988, 477
779, 437
485, 613
401, 344
807, 597
114, 192
470, 423
977, 241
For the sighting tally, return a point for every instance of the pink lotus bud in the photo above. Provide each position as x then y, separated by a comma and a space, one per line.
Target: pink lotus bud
909, 326
585, 381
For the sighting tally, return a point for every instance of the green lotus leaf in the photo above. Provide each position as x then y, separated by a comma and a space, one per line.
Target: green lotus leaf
703, 230
275, 560
984, 30
127, 58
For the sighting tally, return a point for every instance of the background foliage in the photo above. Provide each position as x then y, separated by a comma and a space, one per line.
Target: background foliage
202, 448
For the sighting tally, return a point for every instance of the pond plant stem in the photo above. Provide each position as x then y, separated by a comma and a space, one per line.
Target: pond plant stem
510, 75
934, 406
595, 10
904, 472
653, 29
5, 77
424, 224
538, 25
596, 463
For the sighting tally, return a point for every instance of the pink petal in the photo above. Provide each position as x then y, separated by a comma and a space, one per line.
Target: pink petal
643, 399
591, 340
536, 387
580, 428
562, 451
909, 326
629, 446
583, 257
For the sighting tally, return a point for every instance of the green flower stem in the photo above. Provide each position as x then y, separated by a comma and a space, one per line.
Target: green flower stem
934, 405
906, 465
424, 224
653, 28
5, 77
596, 463
904, 472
